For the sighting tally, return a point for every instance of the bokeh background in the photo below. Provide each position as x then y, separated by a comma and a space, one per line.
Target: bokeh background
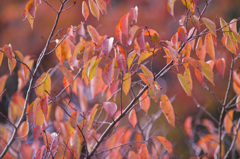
153, 14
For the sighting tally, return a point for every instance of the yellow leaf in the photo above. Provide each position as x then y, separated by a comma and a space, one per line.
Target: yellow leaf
94, 9
209, 46
167, 109
43, 84
210, 25
186, 81
126, 83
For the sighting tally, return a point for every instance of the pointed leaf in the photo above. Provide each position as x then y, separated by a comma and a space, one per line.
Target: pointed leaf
188, 126
124, 24
93, 33
143, 152
167, 109
166, 143
141, 40
134, 14
227, 122
12, 64
170, 7
186, 81
199, 76
144, 102
108, 72
200, 51
209, 46
121, 61
43, 84
130, 58
8, 51
207, 71
85, 10
144, 55
221, 65
210, 25
195, 22
118, 33
73, 120
132, 118
67, 74
107, 45
94, 9
23, 130
182, 34
126, 83
39, 116
110, 108
102, 5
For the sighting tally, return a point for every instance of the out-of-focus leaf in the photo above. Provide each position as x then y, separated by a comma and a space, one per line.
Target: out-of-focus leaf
121, 61
220, 64
73, 120
39, 116
132, 117
188, 126
93, 67
94, 9
225, 27
166, 143
23, 130
134, 13
210, 25
144, 55
238, 102
182, 34
102, 6
132, 33
59, 114
124, 24
227, 122
85, 10
133, 155
200, 51
130, 58
230, 45
93, 33
39, 153
126, 83
110, 108
144, 102
30, 11
76, 145
44, 105
141, 40
208, 144
3, 80
43, 84
167, 109
188, 4
12, 64
143, 152
107, 45
92, 116
8, 51
195, 22
108, 72
63, 51
199, 76
207, 71
186, 81
67, 74
209, 46
170, 7
236, 78
97, 85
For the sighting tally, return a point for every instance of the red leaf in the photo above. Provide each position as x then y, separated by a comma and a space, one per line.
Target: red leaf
108, 72
124, 24
110, 108
167, 109
118, 33
182, 33
220, 64
8, 51
166, 143
94, 34
85, 10
132, 117
141, 40
188, 126
36, 132
107, 45
44, 105
121, 61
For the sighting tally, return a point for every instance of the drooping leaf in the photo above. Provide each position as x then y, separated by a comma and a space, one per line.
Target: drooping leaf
93, 67
8, 51
39, 116
94, 9
91, 116
63, 51
166, 143
107, 45
85, 10
133, 31
141, 40
93, 33
144, 55
97, 85
108, 71
30, 11
124, 24
182, 34
132, 117
126, 83
207, 71
186, 81
167, 109
210, 25
209, 45
23, 130
225, 27
110, 108
3, 80
170, 7
102, 6
75, 143
143, 152
200, 49
73, 120
130, 58
144, 102
121, 61
43, 84
220, 64
12, 64
199, 76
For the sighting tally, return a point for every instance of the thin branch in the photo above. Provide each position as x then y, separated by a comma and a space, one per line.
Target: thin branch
50, 6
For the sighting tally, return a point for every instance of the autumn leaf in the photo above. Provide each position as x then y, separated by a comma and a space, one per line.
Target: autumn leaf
85, 10
186, 81
134, 13
75, 143
110, 108
94, 9
200, 49
221, 65
167, 109
118, 33
93, 33
124, 24
209, 46
228, 119
3, 80
144, 102
23, 130
107, 45
166, 143
210, 25
102, 6
207, 71
39, 116
143, 152
121, 61
67, 74
195, 22
182, 34
44, 105
170, 7
130, 58
144, 55
8, 51
73, 120
126, 85
188, 126
91, 116
43, 84
132, 117
238, 102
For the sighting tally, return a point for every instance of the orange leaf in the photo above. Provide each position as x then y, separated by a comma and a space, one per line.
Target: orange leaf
186, 81
67, 74
63, 51
94, 9
143, 152
170, 7
92, 116
126, 83
200, 51
107, 45
75, 144
132, 155
167, 109
209, 45
195, 22
144, 55
188, 126
166, 143
73, 120
110, 108
124, 24
39, 116
238, 103
207, 71
59, 114
221, 66
102, 5
93, 33
97, 85
182, 33
210, 25
134, 14
144, 102
8, 51
85, 10
118, 33
130, 58
227, 122
132, 117
43, 84
11, 64
199, 76
3, 80
23, 130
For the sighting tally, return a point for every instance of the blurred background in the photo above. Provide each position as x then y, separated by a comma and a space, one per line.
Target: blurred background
153, 14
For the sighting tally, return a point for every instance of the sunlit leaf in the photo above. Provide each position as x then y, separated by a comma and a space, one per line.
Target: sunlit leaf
207, 71
110, 108
63, 51
8, 51
200, 51
182, 34
85, 10
94, 9
93, 67
23, 130
220, 64
186, 81
167, 109
133, 31
188, 4
130, 58
144, 55
43, 84
225, 27
209, 46
166, 143
170, 7
210, 25
143, 152
118, 33
30, 11
124, 24
126, 83
188, 126
93, 33
134, 13
132, 117
144, 102
107, 45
